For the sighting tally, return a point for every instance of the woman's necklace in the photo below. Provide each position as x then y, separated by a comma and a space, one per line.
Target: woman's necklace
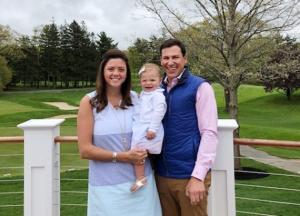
122, 126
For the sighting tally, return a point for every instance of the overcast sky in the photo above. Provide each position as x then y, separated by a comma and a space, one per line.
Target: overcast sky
120, 19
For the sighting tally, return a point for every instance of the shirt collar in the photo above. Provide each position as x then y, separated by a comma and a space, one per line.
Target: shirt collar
166, 81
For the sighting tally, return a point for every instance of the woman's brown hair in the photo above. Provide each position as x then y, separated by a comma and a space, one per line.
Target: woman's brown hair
100, 101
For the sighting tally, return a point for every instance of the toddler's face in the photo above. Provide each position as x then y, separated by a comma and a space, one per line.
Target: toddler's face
150, 80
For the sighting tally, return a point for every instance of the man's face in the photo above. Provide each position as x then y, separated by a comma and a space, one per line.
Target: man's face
172, 61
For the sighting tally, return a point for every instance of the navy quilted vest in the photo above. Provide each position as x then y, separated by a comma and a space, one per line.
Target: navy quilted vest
182, 136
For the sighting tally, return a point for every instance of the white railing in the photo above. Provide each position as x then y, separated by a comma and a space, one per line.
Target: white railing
276, 202
42, 169
221, 201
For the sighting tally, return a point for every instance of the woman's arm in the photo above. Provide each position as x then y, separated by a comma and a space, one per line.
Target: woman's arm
85, 123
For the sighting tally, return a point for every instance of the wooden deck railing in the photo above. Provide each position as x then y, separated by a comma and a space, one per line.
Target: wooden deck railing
264, 142
237, 141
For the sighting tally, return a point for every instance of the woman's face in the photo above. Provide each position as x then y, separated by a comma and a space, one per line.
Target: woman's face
115, 72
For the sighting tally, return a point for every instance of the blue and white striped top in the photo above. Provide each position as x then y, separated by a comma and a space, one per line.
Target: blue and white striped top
109, 183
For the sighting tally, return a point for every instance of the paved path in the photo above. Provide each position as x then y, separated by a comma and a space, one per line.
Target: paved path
292, 165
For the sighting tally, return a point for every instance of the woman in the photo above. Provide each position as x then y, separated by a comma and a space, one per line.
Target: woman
104, 136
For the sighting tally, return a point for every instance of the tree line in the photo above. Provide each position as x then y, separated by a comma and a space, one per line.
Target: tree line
56, 56
68, 55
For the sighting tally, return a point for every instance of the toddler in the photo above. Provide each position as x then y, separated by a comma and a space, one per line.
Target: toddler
147, 128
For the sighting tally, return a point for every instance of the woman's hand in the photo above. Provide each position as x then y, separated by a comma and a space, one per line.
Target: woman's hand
136, 156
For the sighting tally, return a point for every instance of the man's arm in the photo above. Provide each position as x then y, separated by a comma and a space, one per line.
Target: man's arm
207, 115
207, 122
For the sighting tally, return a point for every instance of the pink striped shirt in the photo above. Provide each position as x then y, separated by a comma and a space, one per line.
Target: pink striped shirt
207, 114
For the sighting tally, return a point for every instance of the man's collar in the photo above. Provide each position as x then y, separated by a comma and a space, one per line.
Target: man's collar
166, 81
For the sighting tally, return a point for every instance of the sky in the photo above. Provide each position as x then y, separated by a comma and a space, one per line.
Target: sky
122, 20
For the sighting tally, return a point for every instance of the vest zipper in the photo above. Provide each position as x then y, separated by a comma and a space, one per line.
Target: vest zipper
169, 114
169, 96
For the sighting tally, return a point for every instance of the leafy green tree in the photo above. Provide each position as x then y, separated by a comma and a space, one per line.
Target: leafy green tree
5, 73
282, 71
143, 51
5, 42
21, 55
138, 54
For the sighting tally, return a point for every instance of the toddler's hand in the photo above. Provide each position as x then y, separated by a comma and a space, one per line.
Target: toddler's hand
150, 135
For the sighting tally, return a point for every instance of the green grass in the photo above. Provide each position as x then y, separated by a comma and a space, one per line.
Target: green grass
268, 193
14, 108
261, 115
266, 116
241, 191
66, 198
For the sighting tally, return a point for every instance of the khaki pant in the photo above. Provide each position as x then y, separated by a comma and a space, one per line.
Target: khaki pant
174, 201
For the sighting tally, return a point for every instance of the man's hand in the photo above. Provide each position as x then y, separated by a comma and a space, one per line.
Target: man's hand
195, 190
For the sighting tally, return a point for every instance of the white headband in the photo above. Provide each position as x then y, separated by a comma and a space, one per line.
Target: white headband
142, 70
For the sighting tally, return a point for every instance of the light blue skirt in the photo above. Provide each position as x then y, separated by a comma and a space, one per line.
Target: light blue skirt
117, 200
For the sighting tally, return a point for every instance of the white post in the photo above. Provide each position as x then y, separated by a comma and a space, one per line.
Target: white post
41, 167
221, 201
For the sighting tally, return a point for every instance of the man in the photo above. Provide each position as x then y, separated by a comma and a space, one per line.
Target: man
190, 141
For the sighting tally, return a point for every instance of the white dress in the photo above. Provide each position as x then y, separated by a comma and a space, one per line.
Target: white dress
148, 113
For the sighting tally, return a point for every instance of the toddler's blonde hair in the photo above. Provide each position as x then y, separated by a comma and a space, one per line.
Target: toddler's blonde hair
149, 66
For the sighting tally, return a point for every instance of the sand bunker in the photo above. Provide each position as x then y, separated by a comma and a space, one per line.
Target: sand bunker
62, 105
64, 116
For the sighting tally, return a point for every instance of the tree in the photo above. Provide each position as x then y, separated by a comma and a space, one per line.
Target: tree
89, 51
282, 71
26, 64
143, 51
5, 73
76, 45
92, 60
207, 62
66, 52
50, 53
104, 43
230, 27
